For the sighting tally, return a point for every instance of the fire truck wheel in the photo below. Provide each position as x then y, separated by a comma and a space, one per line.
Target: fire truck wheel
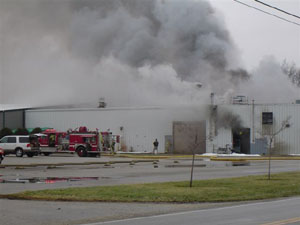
46, 153
19, 152
93, 154
81, 151
30, 155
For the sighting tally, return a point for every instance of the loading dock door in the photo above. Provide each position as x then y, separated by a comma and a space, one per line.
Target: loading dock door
184, 134
241, 140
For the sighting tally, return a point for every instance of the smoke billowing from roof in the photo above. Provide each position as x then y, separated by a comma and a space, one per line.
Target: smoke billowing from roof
269, 85
226, 119
131, 52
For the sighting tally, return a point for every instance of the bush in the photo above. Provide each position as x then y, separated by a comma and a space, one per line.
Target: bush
5, 131
21, 131
36, 130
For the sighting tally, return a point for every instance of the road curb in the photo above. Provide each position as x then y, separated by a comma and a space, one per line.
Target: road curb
74, 164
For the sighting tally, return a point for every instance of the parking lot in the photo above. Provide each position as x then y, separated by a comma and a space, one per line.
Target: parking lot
61, 171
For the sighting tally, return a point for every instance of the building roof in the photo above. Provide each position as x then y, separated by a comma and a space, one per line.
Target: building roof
9, 107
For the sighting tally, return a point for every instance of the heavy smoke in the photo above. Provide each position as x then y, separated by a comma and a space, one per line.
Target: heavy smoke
131, 52
226, 119
269, 84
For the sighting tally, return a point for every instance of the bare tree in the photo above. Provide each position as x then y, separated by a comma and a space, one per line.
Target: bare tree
194, 146
291, 71
284, 125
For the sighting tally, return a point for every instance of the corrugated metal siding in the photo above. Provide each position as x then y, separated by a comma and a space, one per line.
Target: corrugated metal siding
223, 136
140, 126
286, 142
14, 119
1, 120
260, 146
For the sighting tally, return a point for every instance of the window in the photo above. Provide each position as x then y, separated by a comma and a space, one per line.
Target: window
11, 140
267, 118
24, 139
4, 140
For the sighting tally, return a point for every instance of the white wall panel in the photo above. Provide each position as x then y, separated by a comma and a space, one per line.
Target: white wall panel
143, 125
286, 142
140, 125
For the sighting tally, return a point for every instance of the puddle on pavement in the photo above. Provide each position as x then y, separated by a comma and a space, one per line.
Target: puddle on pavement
48, 180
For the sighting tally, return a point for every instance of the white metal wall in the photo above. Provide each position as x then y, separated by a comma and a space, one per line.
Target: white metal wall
140, 125
286, 142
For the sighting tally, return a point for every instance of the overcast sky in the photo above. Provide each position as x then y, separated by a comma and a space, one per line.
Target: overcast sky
257, 34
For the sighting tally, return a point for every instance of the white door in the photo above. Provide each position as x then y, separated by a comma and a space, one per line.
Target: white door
3, 143
11, 143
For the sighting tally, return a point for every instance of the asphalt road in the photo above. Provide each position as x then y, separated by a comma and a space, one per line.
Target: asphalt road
123, 173
13, 212
16, 212
285, 211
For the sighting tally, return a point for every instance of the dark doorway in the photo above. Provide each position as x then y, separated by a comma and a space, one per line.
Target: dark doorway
241, 140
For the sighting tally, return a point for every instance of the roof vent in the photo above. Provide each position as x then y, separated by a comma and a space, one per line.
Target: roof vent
239, 99
102, 103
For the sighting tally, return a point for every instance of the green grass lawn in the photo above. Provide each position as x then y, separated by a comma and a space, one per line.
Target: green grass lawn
217, 190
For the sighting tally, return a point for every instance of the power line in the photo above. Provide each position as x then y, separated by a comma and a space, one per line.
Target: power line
273, 7
268, 13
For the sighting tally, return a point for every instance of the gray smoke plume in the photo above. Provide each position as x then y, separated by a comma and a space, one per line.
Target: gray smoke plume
269, 84
128, 51
227, 119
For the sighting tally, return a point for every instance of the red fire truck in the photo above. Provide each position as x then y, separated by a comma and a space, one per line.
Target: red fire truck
82, 141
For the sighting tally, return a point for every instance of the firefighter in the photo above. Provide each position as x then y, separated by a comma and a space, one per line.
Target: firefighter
88, 144
113, 146
52, 140
155, 147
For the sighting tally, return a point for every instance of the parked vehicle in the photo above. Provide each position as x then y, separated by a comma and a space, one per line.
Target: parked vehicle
82, 141
19, 145
52, 141
1, 155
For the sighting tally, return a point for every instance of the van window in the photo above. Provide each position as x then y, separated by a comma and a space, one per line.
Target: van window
11, 140
3, 140
24, 139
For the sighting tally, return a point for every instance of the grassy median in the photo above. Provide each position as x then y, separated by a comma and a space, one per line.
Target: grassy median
217, 190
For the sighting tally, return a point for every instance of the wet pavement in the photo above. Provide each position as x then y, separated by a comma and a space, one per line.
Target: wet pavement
47, 180
97, 171
17, 178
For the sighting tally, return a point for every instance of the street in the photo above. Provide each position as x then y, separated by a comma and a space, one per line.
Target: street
94, 172
272, 212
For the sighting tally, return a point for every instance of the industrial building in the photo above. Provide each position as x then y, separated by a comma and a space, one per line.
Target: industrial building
12, 116
137, 127
204, 128
259, 122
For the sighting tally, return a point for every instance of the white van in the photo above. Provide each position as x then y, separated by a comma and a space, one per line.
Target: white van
18, 145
